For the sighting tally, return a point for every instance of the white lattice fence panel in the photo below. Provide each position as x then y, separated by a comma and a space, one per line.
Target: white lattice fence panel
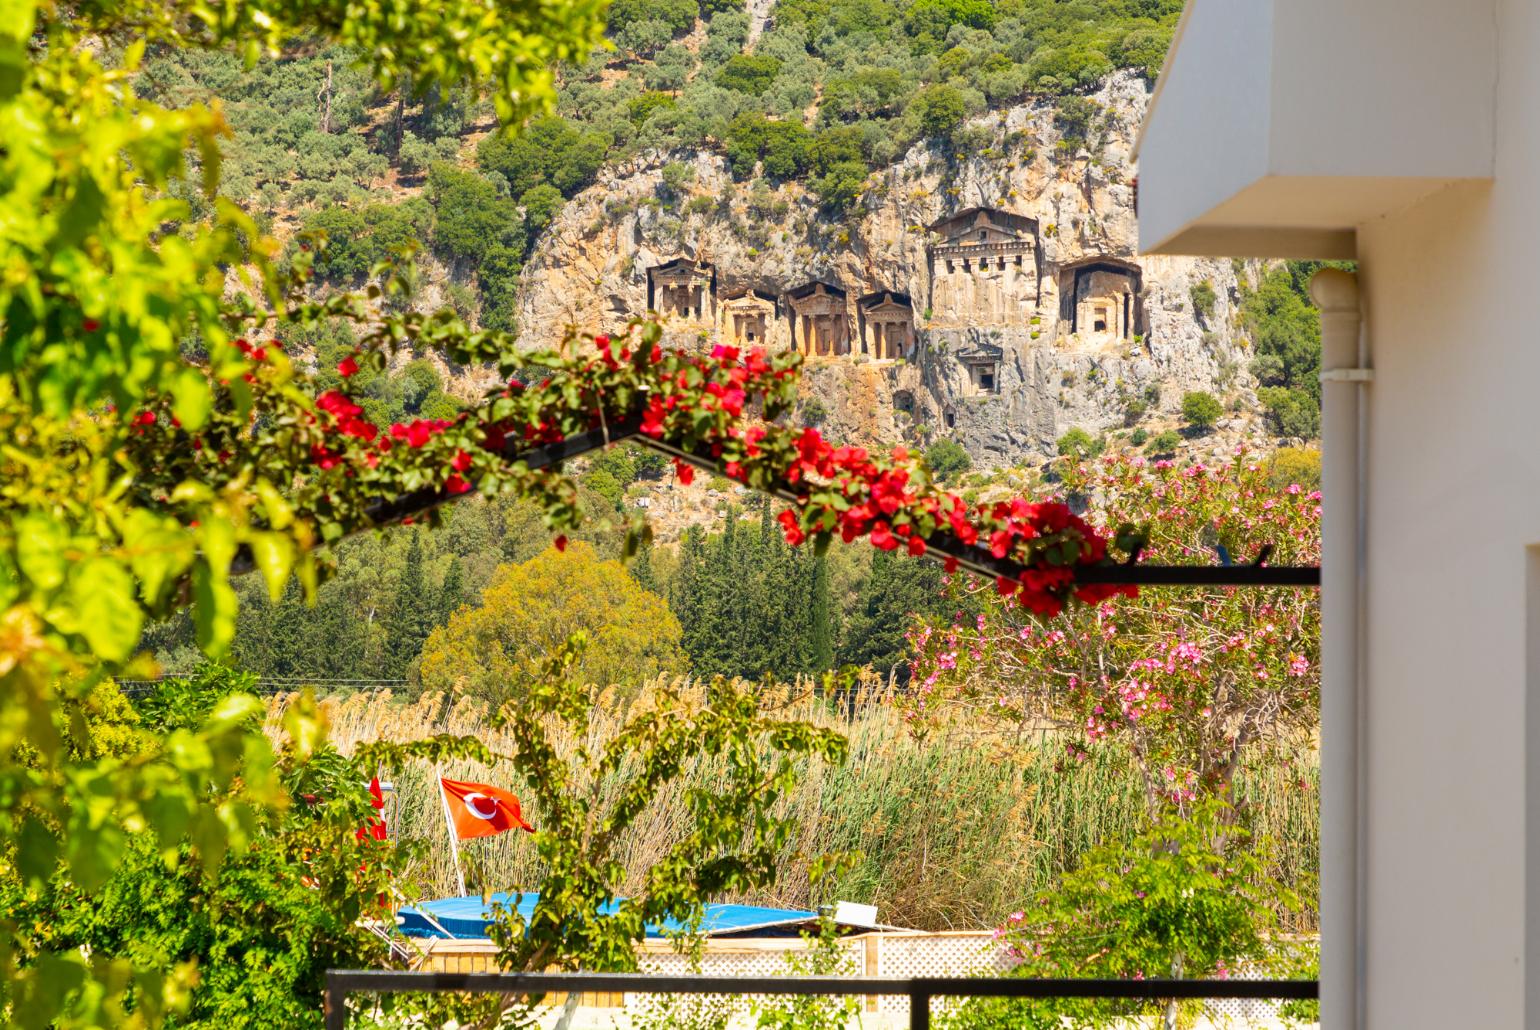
950, 954
737, 958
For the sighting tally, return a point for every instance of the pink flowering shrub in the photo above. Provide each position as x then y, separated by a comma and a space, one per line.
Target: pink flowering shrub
1187, 679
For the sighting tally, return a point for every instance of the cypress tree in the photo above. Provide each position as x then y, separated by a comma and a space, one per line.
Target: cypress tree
452, 594
641, 569
686, 595
411, 614
821, 618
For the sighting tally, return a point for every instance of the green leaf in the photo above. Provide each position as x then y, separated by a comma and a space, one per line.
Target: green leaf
93, 853
40, 545
37, 851
102, 594
81, 215
190, 398
158, 550
214, 608
274, 556
54, 978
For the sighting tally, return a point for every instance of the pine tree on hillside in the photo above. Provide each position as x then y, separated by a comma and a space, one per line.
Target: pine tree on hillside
897, 589
821, 634
452, 594
410, 617
750, 605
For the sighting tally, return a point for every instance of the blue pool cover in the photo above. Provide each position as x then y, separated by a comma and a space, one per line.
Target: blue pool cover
468, 917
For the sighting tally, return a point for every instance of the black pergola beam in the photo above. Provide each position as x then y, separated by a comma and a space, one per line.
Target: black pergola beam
940, 545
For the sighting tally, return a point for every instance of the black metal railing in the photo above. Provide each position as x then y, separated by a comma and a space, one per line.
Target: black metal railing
919, 990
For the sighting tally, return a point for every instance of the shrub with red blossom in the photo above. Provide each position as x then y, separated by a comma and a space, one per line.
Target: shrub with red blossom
718, 409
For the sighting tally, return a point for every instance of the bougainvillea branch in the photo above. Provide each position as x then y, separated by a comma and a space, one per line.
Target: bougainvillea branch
350, 474
717, 410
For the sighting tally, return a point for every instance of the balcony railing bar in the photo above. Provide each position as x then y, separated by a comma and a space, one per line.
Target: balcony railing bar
919, 990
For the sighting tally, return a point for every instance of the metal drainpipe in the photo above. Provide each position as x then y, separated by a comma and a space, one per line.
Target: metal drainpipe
1343, 379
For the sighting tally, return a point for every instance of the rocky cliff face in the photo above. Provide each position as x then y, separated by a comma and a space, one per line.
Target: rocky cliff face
1010, 262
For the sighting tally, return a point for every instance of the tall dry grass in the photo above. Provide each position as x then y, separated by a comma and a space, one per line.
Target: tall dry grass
954, 831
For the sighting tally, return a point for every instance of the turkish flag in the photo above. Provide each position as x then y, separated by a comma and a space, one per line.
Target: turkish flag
375, 828
480, 810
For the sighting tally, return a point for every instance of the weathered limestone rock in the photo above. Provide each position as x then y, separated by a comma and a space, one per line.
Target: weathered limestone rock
993, 295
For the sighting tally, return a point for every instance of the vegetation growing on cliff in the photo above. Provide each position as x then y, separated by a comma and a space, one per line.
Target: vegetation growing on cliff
825, 93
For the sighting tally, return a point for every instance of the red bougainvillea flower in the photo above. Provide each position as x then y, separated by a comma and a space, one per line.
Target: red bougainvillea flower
789, 526
725, 404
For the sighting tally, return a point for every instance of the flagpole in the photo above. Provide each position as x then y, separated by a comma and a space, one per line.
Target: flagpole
449, 823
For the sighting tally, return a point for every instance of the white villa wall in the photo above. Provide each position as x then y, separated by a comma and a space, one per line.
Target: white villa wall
1454, 509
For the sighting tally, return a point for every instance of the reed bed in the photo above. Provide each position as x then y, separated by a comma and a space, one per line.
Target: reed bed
954, 831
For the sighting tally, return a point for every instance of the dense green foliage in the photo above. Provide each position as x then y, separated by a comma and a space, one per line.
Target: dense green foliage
359, 238
947, 458
1186, 899
493, 651
1285, 332
751, 606
1201, 409
262, 932
138, 465
1203, 300
1079, 445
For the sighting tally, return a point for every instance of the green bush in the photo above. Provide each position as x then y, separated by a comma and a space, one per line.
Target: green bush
358, 239
470, 217
552, 150
1203, 299
1164, 443
643, 26
1292, 411
930, 22
601, 482
1138, 436
1074, 117
1201, 409
781, 146
1078, 444
749, 73
947, 459
1285, 332
644, 105
939, 111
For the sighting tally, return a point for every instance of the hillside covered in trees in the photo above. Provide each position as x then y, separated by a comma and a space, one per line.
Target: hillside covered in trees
809, 93
815, 92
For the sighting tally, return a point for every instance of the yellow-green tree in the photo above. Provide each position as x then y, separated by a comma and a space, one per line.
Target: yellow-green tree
529, 610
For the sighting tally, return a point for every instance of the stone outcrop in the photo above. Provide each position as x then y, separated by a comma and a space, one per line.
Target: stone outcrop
990, 293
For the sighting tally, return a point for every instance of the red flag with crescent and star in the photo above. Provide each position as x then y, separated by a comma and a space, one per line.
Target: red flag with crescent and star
481, 810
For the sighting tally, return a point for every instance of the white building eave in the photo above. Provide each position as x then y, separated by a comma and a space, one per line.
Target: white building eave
1279, 126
